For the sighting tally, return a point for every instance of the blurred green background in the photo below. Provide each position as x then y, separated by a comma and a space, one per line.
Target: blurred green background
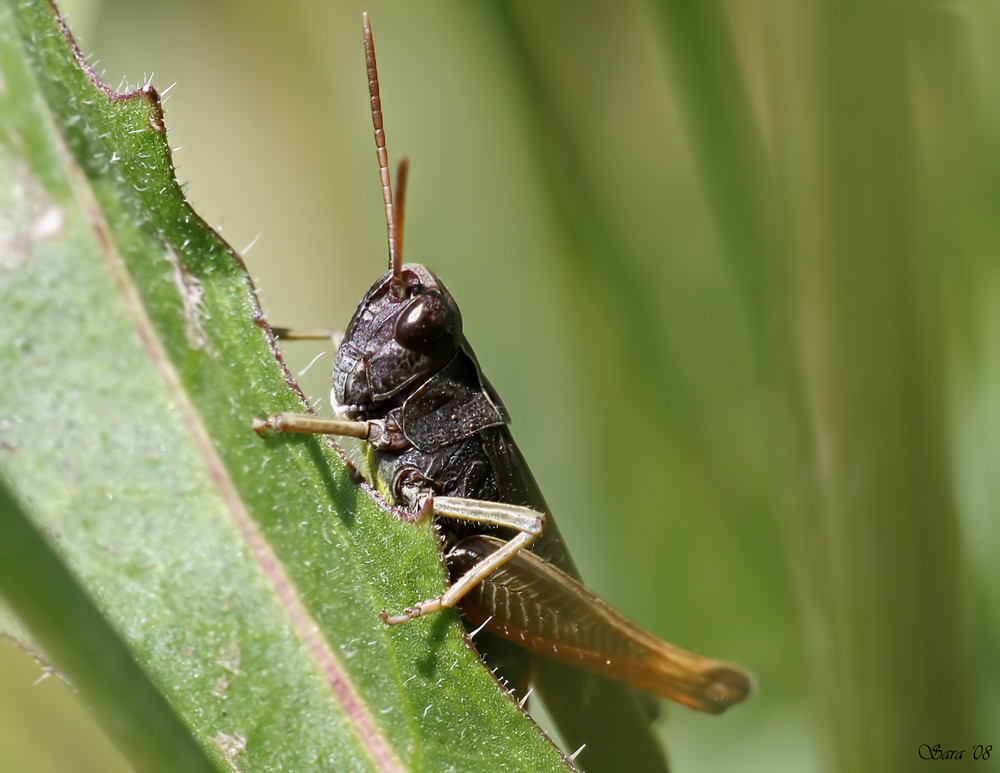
733, 269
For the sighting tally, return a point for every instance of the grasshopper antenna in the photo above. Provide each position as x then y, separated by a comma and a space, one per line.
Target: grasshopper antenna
391, 221
402, 172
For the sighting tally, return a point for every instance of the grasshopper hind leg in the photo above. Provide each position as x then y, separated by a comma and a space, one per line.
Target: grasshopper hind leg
528, 523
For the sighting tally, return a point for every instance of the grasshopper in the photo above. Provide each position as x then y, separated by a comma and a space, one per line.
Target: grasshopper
406, 381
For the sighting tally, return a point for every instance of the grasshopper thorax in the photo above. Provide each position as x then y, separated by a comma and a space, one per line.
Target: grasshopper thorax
393, 342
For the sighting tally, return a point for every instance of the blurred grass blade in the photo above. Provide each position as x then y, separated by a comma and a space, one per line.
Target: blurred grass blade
630, 328
879, 540
244, 575
714, 105
597, 250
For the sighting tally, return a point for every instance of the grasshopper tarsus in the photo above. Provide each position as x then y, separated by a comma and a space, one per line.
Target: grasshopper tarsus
408, 614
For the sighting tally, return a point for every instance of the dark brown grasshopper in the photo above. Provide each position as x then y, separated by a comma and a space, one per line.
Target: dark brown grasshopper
407, 382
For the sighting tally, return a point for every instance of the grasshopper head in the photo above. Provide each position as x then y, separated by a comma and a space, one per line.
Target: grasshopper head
393, 341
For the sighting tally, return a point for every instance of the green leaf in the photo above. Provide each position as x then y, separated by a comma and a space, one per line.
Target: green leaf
243, 575
40, 587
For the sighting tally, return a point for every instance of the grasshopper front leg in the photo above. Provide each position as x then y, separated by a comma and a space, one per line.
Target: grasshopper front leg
308, 424
529, 523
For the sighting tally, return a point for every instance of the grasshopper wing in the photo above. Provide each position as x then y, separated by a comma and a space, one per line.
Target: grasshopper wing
536, 605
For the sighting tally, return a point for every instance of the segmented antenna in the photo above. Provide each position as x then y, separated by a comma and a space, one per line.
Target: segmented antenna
395, 240
399, 207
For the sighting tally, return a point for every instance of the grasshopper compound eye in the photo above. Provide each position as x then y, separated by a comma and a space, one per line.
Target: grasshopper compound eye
423, 322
